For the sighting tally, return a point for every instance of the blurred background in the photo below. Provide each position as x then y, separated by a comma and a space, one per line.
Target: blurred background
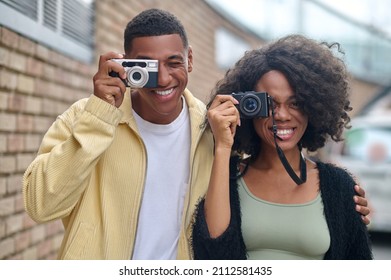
49, 51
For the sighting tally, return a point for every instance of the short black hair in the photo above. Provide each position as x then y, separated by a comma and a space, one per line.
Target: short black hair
153, 22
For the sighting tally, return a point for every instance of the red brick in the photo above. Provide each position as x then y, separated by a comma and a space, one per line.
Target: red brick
25, 84
44, 248
7, 206
3, 143
17, 62
22, 240
28, 222
7, 165
15, 143
38, 234
14, 224
16, 102
19, 204
23, 161
9, 38
2, 229
25, 123
3, 100
4, 56
26, 46
32, 142
8, 80
30, 253
3, 187
54, 228
34, 67
7, 122
7, 247
42, 52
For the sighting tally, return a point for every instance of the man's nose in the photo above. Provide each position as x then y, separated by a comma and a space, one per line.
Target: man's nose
164, 76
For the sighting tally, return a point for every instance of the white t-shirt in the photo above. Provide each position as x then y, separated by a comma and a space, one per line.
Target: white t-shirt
166, 184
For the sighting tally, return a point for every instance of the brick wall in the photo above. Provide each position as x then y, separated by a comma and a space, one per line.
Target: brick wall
36, 84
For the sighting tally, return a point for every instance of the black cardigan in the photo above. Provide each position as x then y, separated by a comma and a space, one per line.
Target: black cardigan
349, 235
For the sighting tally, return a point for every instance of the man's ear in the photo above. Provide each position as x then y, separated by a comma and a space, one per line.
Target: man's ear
189, 59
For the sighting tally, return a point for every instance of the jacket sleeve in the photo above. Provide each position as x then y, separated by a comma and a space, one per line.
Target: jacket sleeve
56, 179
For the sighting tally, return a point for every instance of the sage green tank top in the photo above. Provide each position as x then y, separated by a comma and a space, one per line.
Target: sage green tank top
273, 231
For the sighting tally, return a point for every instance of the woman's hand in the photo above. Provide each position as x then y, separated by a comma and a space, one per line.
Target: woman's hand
223, 118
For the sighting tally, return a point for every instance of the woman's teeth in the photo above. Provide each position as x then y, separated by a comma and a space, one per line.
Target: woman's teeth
282, 132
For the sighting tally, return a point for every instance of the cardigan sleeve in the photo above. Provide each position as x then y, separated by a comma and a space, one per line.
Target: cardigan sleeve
349, 235
229, 245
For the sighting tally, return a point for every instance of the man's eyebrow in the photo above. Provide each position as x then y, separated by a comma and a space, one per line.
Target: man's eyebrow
143, 57
171, 57
176, 56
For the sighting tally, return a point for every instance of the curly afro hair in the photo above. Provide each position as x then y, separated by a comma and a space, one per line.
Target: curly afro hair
153, 22
318, 77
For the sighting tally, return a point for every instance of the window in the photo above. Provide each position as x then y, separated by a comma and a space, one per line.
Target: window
64, 25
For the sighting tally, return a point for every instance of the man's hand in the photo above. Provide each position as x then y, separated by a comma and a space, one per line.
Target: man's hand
362, 204
107, 88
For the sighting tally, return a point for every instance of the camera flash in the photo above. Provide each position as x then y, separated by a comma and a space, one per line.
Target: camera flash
152, 64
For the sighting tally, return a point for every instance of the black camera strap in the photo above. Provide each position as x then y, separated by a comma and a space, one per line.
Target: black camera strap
303, 167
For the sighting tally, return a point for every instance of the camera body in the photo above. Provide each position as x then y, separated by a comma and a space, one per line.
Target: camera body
252, 104
140, 73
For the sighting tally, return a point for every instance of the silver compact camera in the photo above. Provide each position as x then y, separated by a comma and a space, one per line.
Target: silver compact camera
252, 104
140, 73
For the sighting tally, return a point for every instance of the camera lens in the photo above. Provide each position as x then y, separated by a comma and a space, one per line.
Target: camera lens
250, 105
136, 76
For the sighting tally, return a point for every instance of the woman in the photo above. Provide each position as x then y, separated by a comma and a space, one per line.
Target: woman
253, 208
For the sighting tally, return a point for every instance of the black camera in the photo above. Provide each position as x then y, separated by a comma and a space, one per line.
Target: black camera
252, 104
140, 73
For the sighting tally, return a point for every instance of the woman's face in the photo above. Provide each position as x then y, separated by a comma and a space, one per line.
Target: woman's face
290, 120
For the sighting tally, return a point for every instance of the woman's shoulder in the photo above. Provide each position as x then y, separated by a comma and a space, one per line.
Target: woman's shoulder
333, 174
334, 168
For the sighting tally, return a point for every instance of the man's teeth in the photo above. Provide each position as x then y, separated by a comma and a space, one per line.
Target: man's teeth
282, 132
165, 92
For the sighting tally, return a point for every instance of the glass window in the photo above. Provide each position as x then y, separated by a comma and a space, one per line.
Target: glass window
64, 25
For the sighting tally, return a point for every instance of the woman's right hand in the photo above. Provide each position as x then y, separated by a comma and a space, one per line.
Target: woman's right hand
223, 118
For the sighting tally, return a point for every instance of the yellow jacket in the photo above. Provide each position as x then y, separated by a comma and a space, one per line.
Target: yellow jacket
90, 172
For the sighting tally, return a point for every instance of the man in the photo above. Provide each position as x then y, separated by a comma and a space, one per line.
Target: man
124, 169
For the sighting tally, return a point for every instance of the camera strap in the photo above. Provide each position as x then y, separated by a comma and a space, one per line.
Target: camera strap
303, 167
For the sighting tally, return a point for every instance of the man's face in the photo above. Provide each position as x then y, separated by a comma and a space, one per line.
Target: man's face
163, 104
